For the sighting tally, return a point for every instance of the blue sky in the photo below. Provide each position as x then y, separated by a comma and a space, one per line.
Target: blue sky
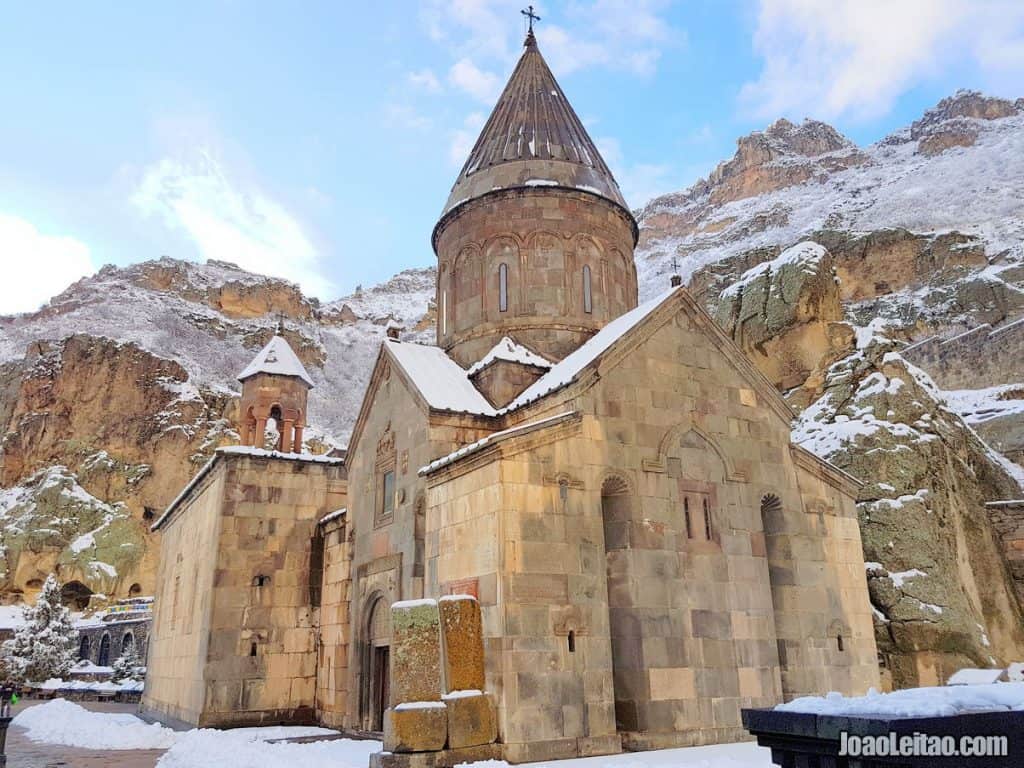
318, 141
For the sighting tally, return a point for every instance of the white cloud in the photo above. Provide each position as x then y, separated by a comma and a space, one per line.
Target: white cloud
425, 79
482, 85
230, 222
465, 137
615, 34
856, 57
404, 116
36, 266
639, 182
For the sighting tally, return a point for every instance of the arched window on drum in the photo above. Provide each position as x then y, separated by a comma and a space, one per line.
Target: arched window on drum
503, 287
588, 295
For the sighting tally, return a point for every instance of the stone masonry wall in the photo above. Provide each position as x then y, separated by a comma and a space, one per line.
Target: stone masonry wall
334, 620
981, 357
261, 659
545, 238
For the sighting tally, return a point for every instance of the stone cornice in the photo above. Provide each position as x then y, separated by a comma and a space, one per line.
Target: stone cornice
826, 471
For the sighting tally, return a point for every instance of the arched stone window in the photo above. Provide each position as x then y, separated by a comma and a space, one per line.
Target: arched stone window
588, 296
84, 647
104, 657
503, 287
127, 643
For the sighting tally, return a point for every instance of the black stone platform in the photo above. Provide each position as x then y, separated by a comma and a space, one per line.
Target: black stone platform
799, 740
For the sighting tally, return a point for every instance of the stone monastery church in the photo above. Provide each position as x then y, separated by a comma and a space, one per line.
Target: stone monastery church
613, 482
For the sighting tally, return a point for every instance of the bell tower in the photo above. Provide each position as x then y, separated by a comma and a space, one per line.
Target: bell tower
275, 386
536, 241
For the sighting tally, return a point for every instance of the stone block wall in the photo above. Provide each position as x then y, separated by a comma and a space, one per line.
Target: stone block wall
981, 357
616, 618
334, 623
819, 590
234, 636
178, 641
545, 239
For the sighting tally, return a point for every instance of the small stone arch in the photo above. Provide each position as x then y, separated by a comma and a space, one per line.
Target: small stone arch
84, 648
103, 660
127, 643
688, 432
616, 511
375, 680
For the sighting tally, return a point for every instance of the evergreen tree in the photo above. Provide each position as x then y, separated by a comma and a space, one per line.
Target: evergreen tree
128, 666
45, 645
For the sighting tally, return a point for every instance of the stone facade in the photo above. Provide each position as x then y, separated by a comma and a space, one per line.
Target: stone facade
234, 640
546, 246
646, 551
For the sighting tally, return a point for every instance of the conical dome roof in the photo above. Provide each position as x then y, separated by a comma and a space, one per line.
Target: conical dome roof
533, 138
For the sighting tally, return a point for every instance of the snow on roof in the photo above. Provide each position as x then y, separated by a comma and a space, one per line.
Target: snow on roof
494, 437
567, 370
976, 676
277, 358
442, 382
238, 450
512, 351
333, 516
312, 458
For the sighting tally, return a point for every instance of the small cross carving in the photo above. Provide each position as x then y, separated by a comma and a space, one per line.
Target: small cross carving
528, 13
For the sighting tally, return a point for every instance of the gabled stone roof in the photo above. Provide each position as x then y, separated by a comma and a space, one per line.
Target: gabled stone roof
279, 359
533, 138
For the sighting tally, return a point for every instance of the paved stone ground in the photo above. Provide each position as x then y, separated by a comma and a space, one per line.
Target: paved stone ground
22, 753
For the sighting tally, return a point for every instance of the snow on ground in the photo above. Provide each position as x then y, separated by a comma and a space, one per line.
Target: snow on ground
743, 755
977, 406
239, 749
915, 702
65, 723
62, 722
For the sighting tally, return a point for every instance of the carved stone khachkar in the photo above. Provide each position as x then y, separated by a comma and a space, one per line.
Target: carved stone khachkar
439, 713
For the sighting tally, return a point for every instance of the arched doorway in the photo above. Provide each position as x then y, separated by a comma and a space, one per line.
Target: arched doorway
376, 681
75, 595
84, 648
104, 657
127, 643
